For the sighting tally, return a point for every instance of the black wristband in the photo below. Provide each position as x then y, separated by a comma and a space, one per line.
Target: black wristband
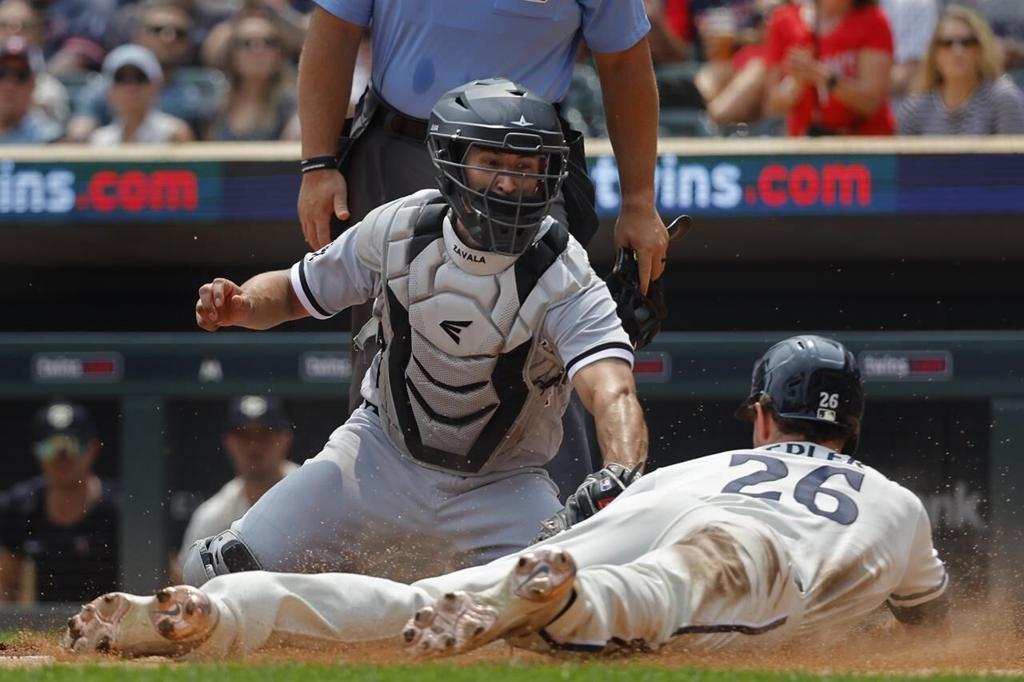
315, 163
833, 81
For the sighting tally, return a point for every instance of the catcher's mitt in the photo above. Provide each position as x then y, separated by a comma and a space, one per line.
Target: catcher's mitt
596, 491
641, 314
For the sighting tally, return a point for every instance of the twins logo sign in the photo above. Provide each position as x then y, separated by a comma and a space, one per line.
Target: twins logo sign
736, 186
105, 191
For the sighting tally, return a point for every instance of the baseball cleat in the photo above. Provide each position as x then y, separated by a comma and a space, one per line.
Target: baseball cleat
532, 594
173, 621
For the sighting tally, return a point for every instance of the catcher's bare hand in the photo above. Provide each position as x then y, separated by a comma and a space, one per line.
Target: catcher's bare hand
222, 303
322, 192
642, 229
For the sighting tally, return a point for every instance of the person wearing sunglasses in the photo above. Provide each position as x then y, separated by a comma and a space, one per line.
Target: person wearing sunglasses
260, 101
20, 121
64, 521
961, 88
167, 30
135, 79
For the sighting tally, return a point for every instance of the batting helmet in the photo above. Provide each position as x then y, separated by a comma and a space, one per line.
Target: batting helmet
810, 379
501, 115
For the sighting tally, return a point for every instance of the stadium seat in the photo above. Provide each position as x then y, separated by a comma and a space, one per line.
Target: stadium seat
76, 82
684, 122
210, 84
1017, 75
676, 86
582, 106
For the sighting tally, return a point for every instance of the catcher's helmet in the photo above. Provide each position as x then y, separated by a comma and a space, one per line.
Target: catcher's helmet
501, 115
813, 379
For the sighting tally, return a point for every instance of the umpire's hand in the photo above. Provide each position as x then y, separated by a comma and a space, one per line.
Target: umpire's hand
222, 303
640, 228
322, 191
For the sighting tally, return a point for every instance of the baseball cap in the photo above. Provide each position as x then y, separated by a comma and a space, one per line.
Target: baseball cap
16, 47
61, 426
133, 55
256, 410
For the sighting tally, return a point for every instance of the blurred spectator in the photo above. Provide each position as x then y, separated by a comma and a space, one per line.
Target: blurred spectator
257, 438
912, 22
134, 81
736, 93
718, 34
20, 122
20, 18
1006, 17
63, 522
261, 100
167, 30
75, 33
829, 64
290, 19
961, 89
669, 34
746, 14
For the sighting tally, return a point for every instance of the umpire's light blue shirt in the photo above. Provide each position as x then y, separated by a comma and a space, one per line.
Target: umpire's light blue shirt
423, 48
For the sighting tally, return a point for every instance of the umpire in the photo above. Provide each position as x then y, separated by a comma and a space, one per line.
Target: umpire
423, 49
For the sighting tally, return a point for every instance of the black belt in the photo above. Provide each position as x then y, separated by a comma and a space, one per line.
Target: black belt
394, 121
401, 124
370, 406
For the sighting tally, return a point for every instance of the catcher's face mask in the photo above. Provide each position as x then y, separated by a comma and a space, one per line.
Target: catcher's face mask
503, 195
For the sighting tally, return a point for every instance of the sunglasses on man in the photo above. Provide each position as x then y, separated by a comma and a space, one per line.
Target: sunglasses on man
19, 75
260, 43
962, 42
49, 449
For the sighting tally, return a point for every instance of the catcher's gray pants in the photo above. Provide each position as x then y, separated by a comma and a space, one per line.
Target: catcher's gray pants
361, 506
384, 166
653, 568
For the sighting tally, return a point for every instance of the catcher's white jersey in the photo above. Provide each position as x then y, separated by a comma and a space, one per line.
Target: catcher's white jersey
738, 548
478, 348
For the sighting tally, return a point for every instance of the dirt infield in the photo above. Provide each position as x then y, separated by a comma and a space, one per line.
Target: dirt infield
981, 644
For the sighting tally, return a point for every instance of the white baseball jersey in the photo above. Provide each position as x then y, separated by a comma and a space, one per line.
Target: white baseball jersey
733, 549
478, 349
855, 538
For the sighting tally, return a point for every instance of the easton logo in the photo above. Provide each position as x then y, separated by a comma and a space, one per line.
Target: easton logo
471, 257
453, 328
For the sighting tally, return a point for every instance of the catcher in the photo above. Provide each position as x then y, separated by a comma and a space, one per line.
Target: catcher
490, 314
793, 538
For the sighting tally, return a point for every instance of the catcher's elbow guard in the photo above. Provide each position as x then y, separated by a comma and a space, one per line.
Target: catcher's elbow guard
217, 555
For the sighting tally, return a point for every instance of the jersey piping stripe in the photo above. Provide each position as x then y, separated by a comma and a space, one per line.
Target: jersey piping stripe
597, 349
918, 595
308, 292
730, 627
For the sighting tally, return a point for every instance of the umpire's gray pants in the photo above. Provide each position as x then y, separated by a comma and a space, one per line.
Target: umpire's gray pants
385, 167
360, 506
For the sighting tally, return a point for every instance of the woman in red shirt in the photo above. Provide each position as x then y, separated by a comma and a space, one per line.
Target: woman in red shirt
829, 64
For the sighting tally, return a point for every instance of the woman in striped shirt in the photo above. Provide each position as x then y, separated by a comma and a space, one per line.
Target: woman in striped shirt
961, 89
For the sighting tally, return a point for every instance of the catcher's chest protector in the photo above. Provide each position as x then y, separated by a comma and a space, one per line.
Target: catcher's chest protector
464, 369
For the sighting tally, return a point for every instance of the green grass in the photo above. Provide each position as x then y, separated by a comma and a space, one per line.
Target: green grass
595, 672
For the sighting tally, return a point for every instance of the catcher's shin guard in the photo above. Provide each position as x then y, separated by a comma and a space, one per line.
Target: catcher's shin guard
217, 555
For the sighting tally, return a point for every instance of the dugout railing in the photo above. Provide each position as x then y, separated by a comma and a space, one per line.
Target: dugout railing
687, 381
